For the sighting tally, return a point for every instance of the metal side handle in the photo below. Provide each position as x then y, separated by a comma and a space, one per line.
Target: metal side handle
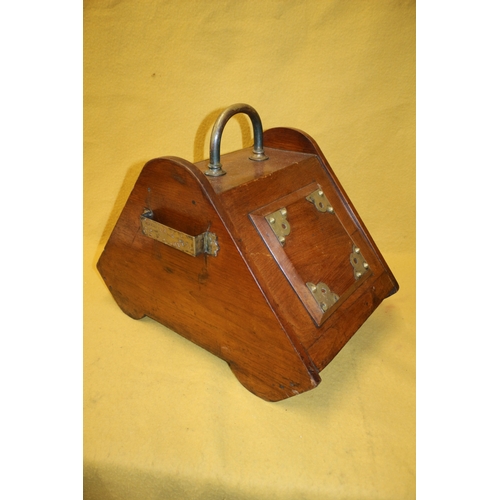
192, 245
215, 167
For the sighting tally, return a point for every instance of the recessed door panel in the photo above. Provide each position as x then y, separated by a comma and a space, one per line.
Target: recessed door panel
314, 251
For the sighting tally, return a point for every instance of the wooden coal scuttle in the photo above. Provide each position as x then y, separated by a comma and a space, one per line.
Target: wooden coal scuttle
257, 256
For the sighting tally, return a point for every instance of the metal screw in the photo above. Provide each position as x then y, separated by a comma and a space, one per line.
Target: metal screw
358, 274
283, 211
320, 193
365, 265
324, 306
356, 249
281, 239
313, 288
272, 220
330, 209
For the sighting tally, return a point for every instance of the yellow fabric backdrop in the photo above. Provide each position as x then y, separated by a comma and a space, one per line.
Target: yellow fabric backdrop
163, 419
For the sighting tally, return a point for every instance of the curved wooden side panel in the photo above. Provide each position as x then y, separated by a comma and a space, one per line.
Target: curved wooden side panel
290, 139
213, 301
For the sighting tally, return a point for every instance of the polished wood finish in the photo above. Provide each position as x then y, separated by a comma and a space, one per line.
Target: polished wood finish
249, 305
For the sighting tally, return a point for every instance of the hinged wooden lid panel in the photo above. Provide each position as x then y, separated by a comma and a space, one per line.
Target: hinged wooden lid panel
312, 248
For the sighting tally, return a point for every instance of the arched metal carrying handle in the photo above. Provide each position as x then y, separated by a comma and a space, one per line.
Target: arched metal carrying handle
215, 167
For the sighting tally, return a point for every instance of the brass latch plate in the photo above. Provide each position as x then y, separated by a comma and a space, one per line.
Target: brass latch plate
358, 262
279, 224
192, 245
323, 295
320, 201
